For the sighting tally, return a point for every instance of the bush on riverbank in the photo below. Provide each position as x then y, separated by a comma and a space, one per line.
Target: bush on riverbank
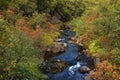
98, 29
104, 71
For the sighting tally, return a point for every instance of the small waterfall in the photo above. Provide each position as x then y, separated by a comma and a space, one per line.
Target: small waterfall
74, 68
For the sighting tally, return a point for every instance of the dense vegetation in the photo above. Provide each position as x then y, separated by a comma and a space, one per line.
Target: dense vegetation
27, 27
98, 29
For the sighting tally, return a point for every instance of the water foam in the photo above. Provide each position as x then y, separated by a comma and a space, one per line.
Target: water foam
73, 68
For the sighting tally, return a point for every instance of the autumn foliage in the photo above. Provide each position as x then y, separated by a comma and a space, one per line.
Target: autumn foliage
104, 71
41, 37
27, 27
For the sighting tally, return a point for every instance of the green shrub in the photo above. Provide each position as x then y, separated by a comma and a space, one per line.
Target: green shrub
4, 4
115, 58
37, 19
67, 10
18, 57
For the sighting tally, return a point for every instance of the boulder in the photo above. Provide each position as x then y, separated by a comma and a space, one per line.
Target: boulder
58, 66
58, 40
78, 58
91, 63
55, 49
53, 66
59, 47
84, 69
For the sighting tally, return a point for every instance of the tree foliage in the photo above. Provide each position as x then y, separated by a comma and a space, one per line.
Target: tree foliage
98, 29
26, 28
104, 71
66, 9
18, 57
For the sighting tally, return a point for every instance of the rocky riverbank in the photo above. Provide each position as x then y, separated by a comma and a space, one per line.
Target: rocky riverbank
66, 57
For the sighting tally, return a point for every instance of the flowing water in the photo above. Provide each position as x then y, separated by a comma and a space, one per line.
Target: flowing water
71, 71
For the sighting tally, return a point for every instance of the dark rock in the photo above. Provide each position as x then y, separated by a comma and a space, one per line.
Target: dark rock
84, 69
91, 63
81, 48
78, 58
53, 66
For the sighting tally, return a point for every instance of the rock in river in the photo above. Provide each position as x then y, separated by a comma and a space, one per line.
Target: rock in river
84, 69
53, 66
78, 58
55, 49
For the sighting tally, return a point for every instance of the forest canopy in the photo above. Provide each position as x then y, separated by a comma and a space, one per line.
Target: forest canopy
28, 27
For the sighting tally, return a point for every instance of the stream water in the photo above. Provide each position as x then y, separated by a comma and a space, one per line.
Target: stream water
71, 71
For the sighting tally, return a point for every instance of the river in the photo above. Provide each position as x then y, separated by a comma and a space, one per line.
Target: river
71, 71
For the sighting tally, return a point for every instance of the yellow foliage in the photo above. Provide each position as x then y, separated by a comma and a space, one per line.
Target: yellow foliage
13, 63
46, 39
93, 47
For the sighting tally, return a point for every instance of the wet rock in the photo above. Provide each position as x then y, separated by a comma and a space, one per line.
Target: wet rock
70, 41
58, 66
55, 49
53, 66
62, 44
59, 47
65, 45
73, 39
84, 69
78, 58
58, 40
